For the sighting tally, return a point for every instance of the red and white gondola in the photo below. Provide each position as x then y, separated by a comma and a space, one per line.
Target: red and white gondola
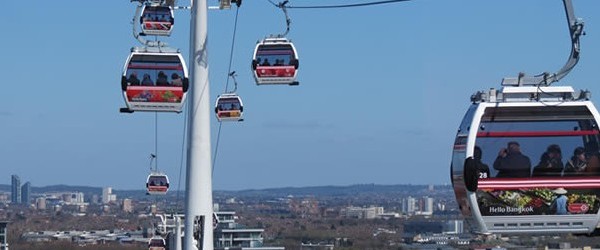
154, 79
526, 160
275, 61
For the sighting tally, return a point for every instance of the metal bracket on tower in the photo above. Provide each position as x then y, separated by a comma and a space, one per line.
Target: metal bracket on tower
199, 230
226, 4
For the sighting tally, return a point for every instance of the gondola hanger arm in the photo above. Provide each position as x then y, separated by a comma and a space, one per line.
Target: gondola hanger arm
288, 21
576, 31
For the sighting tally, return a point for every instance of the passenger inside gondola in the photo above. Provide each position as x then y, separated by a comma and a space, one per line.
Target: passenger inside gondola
266, 62
577, 165
176, 80
147, 81
511, 162
133, 79
165, 70
550, 162
224, 107
162, 80
593, 166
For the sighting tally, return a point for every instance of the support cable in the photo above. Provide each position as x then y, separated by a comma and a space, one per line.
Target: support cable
232, 47
339, 6
183, 147
155, 155
216, 148
229, 74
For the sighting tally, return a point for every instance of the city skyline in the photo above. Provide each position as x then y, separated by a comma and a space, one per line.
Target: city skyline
382, 90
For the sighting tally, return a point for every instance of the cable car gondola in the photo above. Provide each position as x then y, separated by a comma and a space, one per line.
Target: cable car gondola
157, 184
229, 107
275, 61
499, 132
157, 243
154, 79
526, 158
157, 20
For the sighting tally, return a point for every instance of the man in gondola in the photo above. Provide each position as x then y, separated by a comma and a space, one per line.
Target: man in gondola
133, 79
511, 162
162, 80
266, 62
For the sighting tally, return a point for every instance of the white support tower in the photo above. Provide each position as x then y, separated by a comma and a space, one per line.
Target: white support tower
199, 210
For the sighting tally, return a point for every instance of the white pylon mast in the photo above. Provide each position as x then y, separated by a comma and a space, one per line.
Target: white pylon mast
199, 207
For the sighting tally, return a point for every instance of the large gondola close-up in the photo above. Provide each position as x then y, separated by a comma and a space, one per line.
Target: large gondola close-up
526, 159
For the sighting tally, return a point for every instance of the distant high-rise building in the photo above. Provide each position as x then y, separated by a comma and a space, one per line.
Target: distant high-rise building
441, 206
454, 227
77, 197
106, 195
127, 206
409, 205
428, 205
74, 198
4, 197
40, 203
95, 199
3, 235
15, 196
26, 193
363, 213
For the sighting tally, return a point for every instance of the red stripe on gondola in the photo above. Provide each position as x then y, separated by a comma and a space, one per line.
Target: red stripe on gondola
275, 52
290, 67
157, 22
538, 133
275, 71
157, 67
155, 88
516, 183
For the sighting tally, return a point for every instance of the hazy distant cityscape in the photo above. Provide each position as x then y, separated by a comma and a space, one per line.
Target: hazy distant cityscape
366, 216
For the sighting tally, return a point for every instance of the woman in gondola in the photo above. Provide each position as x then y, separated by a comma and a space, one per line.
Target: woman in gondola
550, 162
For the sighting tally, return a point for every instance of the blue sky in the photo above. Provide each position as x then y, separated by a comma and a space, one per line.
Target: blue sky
382, 89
